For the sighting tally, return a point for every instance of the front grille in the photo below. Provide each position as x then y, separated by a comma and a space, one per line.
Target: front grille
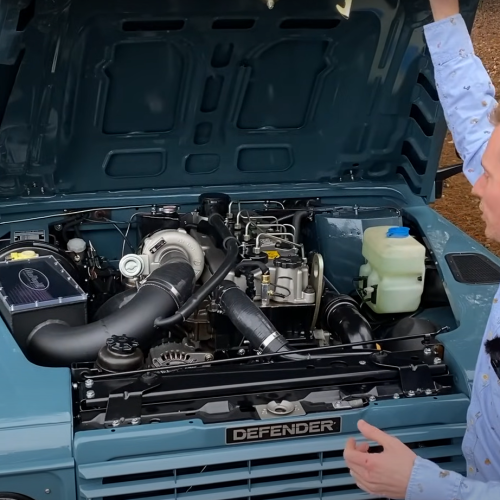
473, 268
293, 472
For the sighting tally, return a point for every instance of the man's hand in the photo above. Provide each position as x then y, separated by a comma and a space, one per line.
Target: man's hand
441, 9
385, 474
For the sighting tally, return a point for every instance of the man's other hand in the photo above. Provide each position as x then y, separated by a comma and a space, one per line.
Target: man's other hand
385, 474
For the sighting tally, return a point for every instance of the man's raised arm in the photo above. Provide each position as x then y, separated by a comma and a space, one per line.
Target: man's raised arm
465, 90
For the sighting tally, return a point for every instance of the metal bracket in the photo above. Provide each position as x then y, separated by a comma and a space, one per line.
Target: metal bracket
415, 376
316, 281
443, 174
125, 404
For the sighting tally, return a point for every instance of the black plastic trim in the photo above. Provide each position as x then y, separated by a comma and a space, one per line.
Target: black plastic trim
473, 268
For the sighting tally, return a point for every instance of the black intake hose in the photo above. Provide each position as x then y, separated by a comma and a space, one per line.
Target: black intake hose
251, 322
230, 243
54, 343
256, 327
298, 217
341, 316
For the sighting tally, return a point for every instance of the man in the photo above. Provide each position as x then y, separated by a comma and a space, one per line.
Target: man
467, 96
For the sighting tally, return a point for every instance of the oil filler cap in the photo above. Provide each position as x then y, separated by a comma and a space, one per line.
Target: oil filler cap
291, 262
398, 232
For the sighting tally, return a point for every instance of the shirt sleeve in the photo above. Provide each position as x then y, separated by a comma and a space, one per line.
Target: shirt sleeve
465, 90
429, 482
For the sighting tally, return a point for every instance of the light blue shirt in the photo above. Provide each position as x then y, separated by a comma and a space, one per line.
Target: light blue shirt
467, 96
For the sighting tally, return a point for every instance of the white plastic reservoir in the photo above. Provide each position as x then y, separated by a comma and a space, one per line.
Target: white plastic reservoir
394, 270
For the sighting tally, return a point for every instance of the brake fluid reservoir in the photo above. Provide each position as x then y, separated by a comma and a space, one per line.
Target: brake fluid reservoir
392, 280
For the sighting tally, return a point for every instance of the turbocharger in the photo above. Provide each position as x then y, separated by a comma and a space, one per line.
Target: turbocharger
156, 249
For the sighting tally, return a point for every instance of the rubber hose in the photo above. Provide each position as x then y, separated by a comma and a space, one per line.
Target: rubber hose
72, 225
298, 217
232, 252
250, 264
342, 316
252, 323
56, 344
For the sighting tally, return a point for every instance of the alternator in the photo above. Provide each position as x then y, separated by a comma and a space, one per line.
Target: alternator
175, 353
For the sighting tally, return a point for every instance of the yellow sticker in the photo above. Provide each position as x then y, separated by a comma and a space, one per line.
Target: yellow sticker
27, 254
273, 254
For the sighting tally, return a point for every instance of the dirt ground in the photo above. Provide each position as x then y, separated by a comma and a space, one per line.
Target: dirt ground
457, 204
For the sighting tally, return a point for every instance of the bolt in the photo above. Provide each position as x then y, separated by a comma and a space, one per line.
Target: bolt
90, 394
209, 357
148, 377
411, 394
264, 411
75, 386
396, 396
89, 383
47, 491
373, 398
428, 392
437, 361
136, 421
427, 350
337, 404
270, 4
115, 423
362, 362
241, 352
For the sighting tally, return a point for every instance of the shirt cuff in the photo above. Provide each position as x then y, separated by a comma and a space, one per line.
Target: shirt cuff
448, 39
429, 482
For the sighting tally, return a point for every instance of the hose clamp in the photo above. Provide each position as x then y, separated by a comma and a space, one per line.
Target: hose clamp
174, 293
169, 288
274, 336
223, 289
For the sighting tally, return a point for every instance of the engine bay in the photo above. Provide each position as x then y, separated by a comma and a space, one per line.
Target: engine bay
228, 310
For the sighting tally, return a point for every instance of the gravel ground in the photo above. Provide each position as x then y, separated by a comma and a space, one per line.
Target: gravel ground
457, 204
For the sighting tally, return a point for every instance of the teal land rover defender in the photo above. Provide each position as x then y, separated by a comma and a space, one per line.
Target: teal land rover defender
204, 207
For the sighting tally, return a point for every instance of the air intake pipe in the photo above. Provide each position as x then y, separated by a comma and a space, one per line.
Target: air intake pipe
340, 315
251, 322
260, 332
54, 343
230, 243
